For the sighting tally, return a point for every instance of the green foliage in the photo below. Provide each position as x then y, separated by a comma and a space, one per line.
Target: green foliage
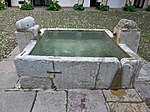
2, 6
53, 6
148, 8
27, 6
78, 7
129, 7
103, 7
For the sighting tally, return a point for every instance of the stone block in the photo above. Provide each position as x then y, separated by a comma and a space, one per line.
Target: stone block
86, 101
23, 38
108, 70
130, 71
86, 74
33, 67
75, 74
122, 95
16, 101
35, 83
50, 101
131, 39
127, 107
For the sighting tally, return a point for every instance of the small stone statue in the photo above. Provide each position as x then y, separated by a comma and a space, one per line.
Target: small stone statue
128, 24
25, 23
26, 31
127, 32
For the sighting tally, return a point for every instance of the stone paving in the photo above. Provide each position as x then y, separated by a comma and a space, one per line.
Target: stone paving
13, 99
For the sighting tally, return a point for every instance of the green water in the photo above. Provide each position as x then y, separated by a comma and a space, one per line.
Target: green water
77, 44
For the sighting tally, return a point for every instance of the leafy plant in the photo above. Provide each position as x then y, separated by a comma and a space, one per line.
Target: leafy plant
2, 6
27, 6
53, 6
78, 7
148, 8
129, 7
103, 7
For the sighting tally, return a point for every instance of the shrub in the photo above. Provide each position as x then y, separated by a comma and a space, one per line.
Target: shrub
103, 7
148, 8
27, 6
78, 7
53, 6
2, 6
129, 7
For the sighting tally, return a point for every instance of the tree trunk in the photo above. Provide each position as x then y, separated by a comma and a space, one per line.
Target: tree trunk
148, 2
80, 1
104, 2
128, 2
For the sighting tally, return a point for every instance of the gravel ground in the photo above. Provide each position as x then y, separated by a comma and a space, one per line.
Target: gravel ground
90, 18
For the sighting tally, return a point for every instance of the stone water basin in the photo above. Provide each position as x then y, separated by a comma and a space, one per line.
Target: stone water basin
79, 58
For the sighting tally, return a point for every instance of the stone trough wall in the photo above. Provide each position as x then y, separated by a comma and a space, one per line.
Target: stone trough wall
72, 72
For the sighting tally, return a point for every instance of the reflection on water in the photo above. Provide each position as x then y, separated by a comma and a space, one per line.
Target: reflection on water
77, 44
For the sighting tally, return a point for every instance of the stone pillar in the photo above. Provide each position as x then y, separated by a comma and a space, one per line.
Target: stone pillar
127, 32
26, 31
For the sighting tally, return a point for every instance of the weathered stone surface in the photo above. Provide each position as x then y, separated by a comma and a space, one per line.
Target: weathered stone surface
86, 74
25, 23
33, 67
24, 37
75, 74
35, 83
129, 24
143, 88
107, 71
8, 77
16, 101
50, 101
127, 107
122, 95
127, 32
145, 72
131, 39
130, 71
86, 101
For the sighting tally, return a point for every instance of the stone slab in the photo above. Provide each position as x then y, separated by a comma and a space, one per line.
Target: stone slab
8, 77
50, 101
143, 88
122, 95
16, 101
127, 107
85, 74
33, 67
86, 101
130, 71
75, 74
35, 83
